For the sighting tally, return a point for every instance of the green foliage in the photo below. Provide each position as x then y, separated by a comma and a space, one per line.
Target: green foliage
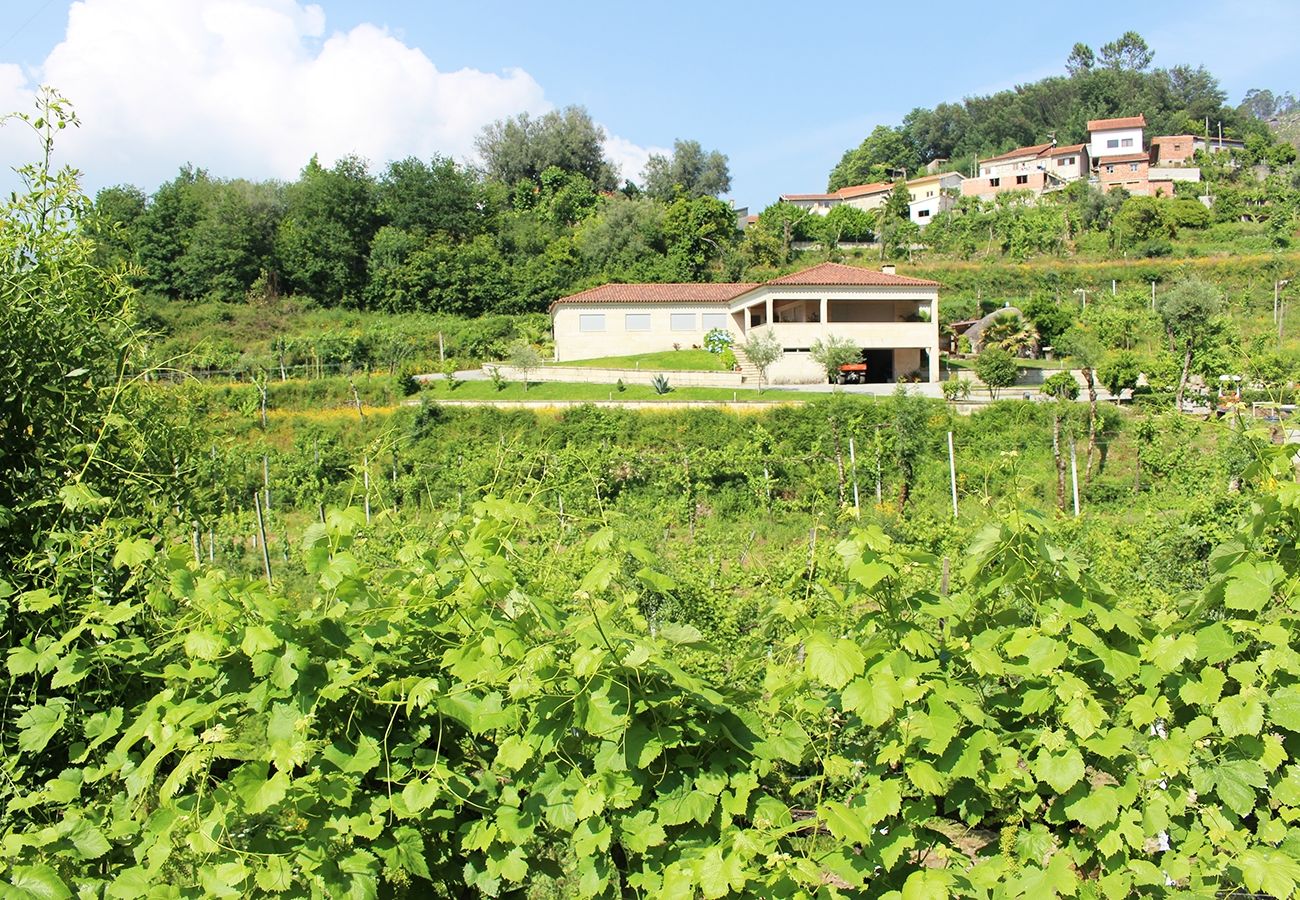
762, 349
996, 368
955, 389
689, 171
1142, 219
834, 351
875, 159
660, 384
523, 147
1118, 371
324, 238
1061, 386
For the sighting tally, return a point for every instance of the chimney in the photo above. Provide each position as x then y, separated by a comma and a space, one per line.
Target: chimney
888, 270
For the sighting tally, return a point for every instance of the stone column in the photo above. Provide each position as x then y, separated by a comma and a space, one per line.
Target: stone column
824, 318
768, 309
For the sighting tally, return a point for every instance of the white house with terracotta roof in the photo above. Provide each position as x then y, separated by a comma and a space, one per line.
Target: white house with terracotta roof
931, 195
892, 318
862, 196
1038, 168
1115, 137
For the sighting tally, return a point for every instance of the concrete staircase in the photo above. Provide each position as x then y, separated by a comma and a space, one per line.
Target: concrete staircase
748, 371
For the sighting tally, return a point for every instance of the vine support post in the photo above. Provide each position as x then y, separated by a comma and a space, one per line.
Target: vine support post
853, 467
261, 530
952, 474
1074, 477
365, 480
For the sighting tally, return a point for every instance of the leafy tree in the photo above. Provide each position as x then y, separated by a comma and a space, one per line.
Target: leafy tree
689, 171
844, 223
878, 158
762, 349
233, 241
1142, 219
624, 240
788, 223
1118, 371
1128, 52
834, 351
996, 368
166, 230
112, 224
324, 238
1080, 60
437, 196
907, 417
1085, 351
523, 147
525, 359
1187, 310
697, 234
1063, 388
1263, 104
1049, 318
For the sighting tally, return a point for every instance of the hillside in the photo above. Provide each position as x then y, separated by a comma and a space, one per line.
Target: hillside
1118, 80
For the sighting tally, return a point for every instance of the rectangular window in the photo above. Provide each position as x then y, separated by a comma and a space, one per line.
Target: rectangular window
682, 322
636, 322
1110, 170
922, 213
591, 322
1022, 179
1127, 142
1112, 143
993, 182
710, 321
1132, 167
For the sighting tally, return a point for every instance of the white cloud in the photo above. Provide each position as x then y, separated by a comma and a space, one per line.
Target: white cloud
253, 88
630, 158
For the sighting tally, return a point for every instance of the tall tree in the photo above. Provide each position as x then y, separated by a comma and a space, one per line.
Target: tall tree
883, 154
1081, 60
1128, 52
324, 238
112, 223
523, 147
437, 196
165, 229
689, 171
1187, 310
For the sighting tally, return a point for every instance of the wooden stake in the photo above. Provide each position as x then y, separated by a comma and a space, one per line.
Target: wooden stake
1074, 477
853, 466
266, 481
365, 477
952, 474
261, 528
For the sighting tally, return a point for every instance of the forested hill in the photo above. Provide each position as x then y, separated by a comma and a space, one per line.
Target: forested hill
1117, 80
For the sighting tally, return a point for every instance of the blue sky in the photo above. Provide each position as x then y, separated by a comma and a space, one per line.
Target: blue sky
252, 87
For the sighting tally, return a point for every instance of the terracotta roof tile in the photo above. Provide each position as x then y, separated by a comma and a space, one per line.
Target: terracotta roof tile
810, 196
836, 273
1072, 148
859, 190
660, 293
827, 274
1110, 124
1035, 150
1127, 157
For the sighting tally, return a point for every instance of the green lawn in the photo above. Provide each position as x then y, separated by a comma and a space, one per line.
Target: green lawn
664, 361
555, 390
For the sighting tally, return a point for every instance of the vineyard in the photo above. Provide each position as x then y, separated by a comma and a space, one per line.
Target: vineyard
345, 647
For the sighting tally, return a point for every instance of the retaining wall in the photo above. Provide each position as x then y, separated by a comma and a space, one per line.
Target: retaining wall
584, 375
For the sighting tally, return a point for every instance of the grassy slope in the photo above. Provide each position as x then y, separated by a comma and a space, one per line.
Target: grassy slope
665, 361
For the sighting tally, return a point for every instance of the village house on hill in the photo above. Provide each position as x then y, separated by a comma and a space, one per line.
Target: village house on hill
893, 319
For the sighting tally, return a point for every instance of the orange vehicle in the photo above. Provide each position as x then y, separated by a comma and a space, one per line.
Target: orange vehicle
853, 373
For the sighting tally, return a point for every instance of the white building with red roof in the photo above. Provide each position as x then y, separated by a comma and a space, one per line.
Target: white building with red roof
1038, 168
863, 196
892, 318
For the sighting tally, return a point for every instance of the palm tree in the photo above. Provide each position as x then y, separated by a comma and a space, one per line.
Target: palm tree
1013, 333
